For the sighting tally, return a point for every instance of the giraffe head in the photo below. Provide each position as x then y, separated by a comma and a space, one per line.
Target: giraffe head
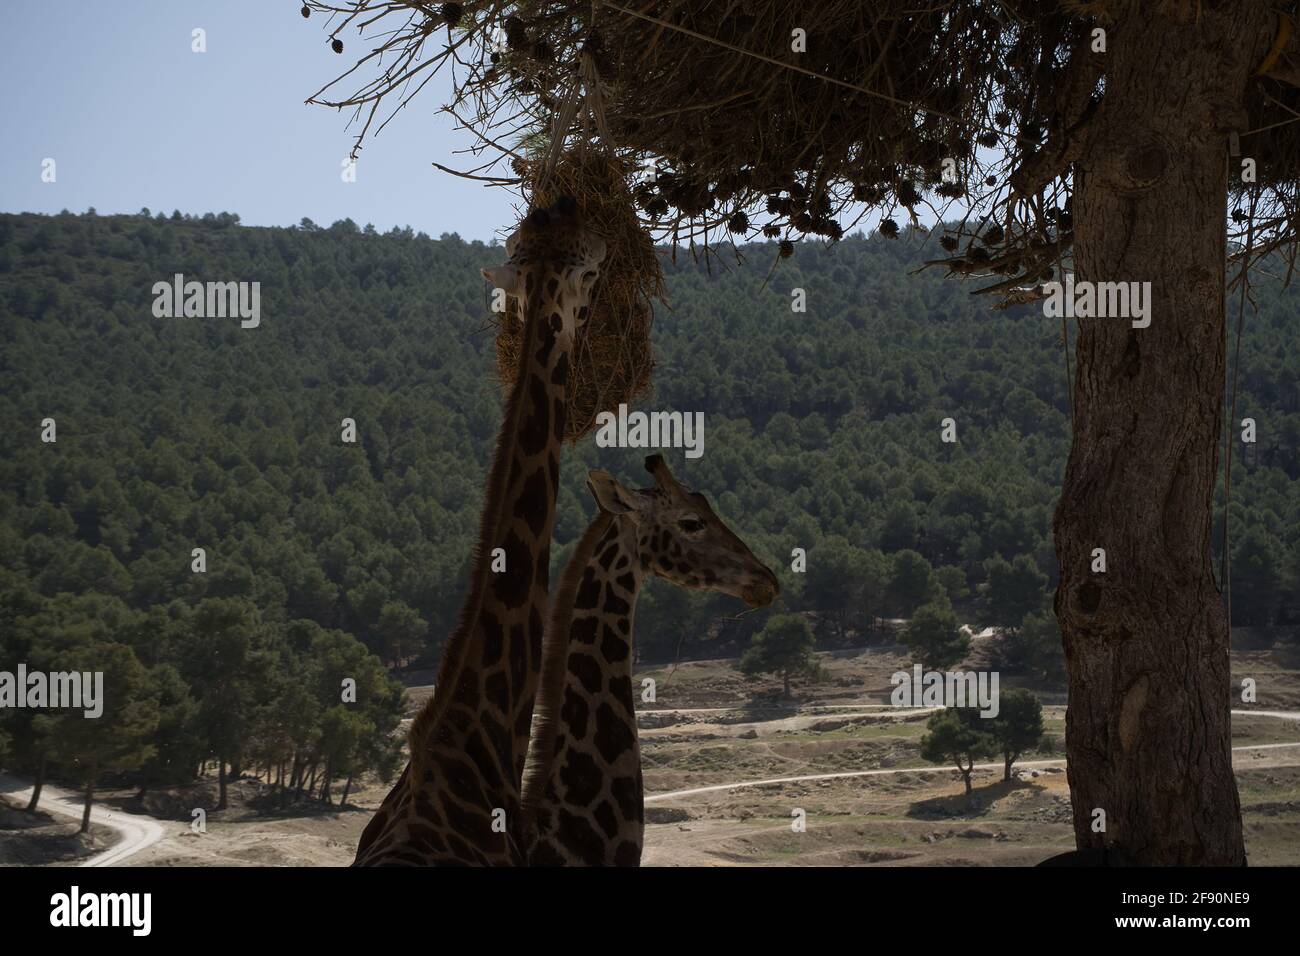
552, 255
681, 540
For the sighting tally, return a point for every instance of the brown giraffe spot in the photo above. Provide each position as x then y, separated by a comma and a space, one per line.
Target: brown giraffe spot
628, 795
581, 778
533, 503
615, 604
586, 670
588, 592
578, 836
606, 817
477, 751
534, 432
518, 656
497, 690
621, 689
612, 647
574, 713
472, 824
613, 735
583, 630
495, 732
461, 780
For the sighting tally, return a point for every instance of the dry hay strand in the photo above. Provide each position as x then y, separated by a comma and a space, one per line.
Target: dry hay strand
612, 359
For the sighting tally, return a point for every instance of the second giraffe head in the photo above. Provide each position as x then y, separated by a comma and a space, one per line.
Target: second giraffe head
681, 540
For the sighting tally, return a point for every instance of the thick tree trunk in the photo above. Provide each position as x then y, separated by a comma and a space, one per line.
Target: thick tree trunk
1146, 642
1006, 768
37, 786
221, 783
347, 788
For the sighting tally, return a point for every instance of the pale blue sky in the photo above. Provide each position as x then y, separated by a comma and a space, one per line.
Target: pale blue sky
112, 92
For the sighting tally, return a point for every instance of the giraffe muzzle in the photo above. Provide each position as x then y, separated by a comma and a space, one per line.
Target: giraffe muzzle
763, 593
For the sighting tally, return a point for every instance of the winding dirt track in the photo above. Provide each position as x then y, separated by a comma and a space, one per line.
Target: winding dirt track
137, 830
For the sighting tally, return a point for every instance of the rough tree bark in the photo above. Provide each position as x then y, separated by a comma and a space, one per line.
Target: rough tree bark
1146, 642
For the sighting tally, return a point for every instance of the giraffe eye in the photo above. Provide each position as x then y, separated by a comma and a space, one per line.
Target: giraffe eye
691, 524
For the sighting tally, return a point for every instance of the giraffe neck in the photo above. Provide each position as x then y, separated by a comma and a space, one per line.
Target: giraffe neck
582, 789
458, 800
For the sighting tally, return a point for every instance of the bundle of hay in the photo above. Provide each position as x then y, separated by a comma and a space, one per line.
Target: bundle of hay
612, 359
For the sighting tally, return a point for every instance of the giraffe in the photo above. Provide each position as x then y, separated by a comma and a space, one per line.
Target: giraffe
582, 792
468, 744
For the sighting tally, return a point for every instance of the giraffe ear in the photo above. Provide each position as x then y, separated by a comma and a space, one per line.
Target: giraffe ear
504, 277
610, 496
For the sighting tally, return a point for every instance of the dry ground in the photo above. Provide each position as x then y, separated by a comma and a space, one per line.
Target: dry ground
708, 726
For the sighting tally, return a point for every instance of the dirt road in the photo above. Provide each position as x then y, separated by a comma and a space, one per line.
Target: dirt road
137, 831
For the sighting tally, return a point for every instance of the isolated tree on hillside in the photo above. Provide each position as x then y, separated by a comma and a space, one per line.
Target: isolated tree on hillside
1017, 727
783, 647
957, 736
1108, 136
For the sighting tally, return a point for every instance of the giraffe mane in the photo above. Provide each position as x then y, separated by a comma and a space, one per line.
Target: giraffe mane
550, 688
490, 520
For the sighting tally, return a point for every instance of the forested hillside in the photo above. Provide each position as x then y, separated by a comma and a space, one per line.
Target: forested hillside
822, 433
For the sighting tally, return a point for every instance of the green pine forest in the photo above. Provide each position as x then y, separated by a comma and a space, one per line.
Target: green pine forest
328, 561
